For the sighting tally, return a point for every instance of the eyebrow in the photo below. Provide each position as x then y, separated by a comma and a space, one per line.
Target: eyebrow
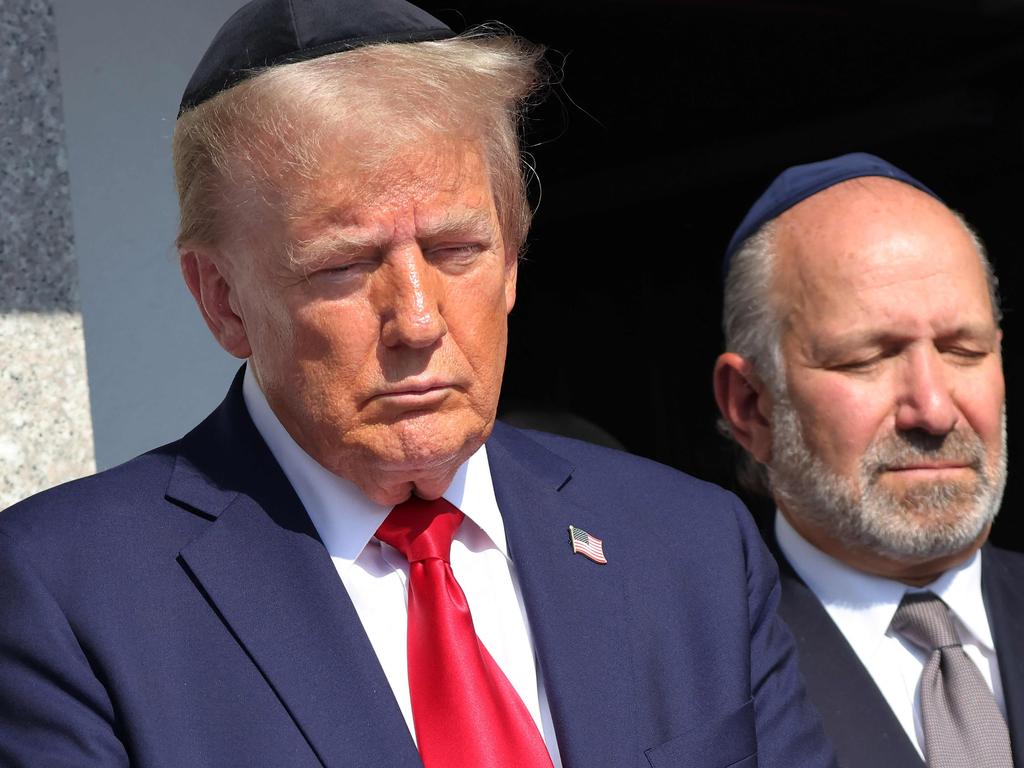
319, 249
351, 242
475, 222
857, 340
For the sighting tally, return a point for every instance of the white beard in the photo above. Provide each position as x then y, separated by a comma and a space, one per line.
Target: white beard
929, 521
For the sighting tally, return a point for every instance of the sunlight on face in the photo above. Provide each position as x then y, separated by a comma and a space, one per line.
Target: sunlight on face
376, 304
926, 520
891, 432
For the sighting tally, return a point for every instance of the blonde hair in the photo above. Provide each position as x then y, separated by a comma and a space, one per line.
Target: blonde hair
384, 97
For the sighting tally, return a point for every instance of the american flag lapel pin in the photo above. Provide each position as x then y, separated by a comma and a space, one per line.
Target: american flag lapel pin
587, 545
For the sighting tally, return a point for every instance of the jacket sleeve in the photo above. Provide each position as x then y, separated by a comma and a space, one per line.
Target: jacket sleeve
54, 711
789, 727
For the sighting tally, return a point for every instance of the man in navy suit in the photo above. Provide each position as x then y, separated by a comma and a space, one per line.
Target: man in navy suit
351, 217
863, 378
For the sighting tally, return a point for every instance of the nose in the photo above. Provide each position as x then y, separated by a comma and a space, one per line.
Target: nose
926, 398
413, 303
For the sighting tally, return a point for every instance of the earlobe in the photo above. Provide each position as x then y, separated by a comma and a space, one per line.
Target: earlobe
743, 400
211, 290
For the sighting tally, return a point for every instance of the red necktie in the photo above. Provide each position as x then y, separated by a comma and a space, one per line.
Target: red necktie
466, 713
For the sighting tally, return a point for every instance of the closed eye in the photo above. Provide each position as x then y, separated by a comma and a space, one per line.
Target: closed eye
455, 254
966, 355
855, 366
344, 267
869, 360
347, 274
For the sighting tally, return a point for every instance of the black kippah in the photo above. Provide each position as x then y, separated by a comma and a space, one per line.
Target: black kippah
263, 33
799, 182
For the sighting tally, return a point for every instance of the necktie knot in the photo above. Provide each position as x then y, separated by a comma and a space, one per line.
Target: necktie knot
924, 620
421, 529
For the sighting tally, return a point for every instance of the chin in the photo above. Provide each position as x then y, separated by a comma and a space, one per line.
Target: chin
432, 443
423, 468
921, 532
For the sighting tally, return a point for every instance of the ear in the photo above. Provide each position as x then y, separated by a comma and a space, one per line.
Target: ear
746, 403
210, 287
511, 274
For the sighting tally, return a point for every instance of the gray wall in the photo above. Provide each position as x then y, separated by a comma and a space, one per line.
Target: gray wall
45, 434
153, 368
102, 353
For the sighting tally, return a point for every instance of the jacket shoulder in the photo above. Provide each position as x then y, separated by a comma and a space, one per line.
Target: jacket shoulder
74, 508
1003, 558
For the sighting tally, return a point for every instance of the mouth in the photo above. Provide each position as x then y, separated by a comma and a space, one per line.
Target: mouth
929, 470
417, 393
942, 464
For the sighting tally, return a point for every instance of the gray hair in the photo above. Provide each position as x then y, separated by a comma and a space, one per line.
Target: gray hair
753, 329
752, 323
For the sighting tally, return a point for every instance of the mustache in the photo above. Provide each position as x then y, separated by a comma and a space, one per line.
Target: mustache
961, 446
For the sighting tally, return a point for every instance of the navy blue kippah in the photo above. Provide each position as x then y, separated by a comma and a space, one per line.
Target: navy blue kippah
263, 33
801, 181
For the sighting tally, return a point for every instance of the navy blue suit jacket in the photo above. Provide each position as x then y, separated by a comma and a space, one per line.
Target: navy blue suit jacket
181, 611
857, 717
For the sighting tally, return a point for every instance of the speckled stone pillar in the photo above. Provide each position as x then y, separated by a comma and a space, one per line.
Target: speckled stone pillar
45, 427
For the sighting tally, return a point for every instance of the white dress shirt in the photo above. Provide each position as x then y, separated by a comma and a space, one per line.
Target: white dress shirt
862, 606
375, 575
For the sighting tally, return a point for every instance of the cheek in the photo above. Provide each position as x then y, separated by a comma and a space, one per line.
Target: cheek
981, 402
481, 356
477, 318
334, 332
841, 418
268, 324
310, 346
481, 341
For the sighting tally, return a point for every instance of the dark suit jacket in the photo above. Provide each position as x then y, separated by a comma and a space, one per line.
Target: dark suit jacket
857, 717
180, 611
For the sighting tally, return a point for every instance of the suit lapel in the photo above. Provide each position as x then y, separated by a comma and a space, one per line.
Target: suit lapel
263, 569
857, 717
575, 606
1001, 574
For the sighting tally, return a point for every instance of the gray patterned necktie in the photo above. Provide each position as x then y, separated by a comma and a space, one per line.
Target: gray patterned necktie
963, 727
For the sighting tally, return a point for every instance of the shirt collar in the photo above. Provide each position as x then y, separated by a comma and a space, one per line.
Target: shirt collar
863, 605
960, 589
345, 519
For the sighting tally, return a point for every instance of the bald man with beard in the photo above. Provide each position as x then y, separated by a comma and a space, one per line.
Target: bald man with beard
863, 379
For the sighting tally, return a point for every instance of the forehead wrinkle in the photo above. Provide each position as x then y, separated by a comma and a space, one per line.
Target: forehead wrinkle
347, 168
343, 187
348, 208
